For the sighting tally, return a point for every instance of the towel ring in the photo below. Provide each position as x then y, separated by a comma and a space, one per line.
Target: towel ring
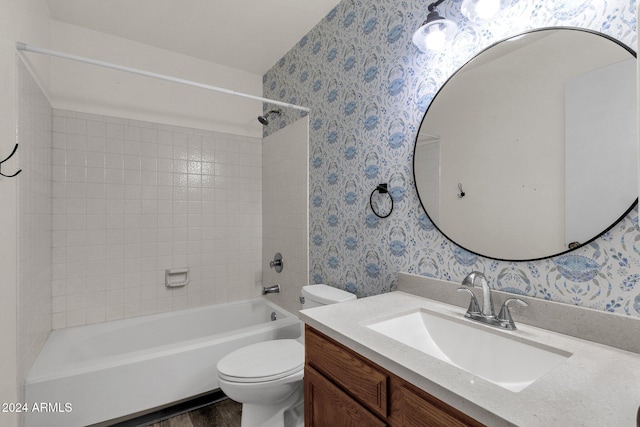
382, 189
10, 156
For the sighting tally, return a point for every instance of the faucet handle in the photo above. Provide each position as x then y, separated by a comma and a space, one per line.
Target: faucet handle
474, 307
505, 315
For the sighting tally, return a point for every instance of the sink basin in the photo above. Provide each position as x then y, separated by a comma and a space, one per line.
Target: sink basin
496, 356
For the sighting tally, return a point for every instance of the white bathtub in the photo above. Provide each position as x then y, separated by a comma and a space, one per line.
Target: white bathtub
94, 373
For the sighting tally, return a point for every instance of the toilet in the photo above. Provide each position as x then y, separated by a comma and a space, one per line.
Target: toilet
266, 377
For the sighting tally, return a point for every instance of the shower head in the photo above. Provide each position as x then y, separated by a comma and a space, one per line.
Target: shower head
264, 119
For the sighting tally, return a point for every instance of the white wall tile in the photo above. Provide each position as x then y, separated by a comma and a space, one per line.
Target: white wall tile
283, 213
39, 163
132, 199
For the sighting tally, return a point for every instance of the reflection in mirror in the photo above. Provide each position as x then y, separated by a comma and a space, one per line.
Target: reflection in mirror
540, 130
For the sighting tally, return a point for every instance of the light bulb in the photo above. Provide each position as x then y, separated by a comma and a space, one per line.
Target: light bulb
435, 39
435, 33
480, 11
487, 9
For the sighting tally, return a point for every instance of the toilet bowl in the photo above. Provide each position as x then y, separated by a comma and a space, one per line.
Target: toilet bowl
267, 377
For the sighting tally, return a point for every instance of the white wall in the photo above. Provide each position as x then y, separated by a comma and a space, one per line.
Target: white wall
88, 88
427, 156
19, 20
475, 157
132, 199
600, 142
285, 200
34, 221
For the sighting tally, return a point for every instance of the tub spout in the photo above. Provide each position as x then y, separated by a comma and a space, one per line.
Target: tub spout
271, 289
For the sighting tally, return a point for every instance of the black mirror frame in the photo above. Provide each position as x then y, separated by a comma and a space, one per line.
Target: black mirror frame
633, 205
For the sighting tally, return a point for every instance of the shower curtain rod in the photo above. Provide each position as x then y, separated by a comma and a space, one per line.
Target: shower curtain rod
29, 48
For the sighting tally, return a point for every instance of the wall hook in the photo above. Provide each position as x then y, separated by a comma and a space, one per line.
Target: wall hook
10, 155
382, 189
461, 194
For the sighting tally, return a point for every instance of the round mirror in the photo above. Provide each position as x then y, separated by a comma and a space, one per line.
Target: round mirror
530, 149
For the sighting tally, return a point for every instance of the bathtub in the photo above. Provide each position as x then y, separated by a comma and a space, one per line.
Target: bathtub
89, 374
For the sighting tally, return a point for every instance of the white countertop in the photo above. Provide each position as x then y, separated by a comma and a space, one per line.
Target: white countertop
597, 386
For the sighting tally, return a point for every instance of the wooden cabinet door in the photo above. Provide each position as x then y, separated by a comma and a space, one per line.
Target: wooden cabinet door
328, 406
348, 370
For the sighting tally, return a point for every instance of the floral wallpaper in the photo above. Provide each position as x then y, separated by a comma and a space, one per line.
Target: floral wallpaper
368, 88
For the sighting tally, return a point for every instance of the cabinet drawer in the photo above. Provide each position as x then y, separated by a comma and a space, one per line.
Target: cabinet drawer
424, 410
348, 370
328, 406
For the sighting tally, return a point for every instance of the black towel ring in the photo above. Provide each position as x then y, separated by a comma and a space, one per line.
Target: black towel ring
382, 189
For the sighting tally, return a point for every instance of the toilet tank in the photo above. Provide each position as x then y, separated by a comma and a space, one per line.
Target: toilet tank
318, 295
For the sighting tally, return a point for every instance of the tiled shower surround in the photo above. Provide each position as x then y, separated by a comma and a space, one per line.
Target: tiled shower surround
34, 218
368, 88
132, 199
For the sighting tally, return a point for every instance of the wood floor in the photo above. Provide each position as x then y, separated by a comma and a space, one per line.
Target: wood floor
225, 413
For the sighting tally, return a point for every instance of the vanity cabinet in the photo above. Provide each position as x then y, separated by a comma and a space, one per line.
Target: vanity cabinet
343, 388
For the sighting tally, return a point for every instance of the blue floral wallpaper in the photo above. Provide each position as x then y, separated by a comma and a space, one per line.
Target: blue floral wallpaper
368, 88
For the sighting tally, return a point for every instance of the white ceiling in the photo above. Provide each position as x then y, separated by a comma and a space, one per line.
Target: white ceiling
250, 35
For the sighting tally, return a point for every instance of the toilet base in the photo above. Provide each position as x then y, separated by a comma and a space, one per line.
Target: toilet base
287, 413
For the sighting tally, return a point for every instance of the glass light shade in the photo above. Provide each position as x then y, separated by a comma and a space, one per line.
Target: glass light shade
480, 11
435, 33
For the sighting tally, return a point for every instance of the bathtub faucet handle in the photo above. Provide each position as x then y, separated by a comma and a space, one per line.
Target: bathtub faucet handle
277, 263
271, 289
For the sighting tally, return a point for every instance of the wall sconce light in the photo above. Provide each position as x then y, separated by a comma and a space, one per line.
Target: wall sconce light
480, 11
434, 33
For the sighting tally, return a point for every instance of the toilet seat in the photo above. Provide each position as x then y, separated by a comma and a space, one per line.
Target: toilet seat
263, 361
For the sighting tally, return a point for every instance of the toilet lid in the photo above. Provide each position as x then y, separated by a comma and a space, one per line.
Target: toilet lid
263, 361
325, 294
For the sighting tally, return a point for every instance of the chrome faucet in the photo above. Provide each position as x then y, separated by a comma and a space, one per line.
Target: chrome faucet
487, 300
271, 289
487, 314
